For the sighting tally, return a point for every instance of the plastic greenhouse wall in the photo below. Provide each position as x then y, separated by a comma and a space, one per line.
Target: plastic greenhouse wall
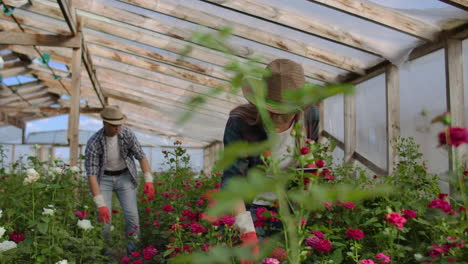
371, 111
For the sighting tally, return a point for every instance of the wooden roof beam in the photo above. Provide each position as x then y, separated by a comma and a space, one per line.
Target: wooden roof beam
70, 17
296, 21
21, 89
29, 39
383, 16
141, 29
48, 110
252, 33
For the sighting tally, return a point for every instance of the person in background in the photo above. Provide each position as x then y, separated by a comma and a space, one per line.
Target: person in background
110, 168
245, 124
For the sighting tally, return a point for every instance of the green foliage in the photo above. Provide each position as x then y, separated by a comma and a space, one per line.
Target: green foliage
48, 238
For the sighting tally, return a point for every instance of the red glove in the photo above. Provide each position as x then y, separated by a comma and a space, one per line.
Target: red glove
104, 214
149, 190
250, 239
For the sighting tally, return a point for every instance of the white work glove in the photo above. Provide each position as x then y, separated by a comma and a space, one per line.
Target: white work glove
244, 223
148, 177
99, 201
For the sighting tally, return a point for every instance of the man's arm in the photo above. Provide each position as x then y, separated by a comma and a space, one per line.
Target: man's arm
144, 164
94, 185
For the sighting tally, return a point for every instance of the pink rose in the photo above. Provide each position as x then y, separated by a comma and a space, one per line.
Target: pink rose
383, 258
396, 219
125, 260
270, 261
149, 252
318, 234
196, 228
228, 220
367, 261
135, 254
348, 205
324, 246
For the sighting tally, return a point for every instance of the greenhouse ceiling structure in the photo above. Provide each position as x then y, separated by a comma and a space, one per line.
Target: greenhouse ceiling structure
80, 55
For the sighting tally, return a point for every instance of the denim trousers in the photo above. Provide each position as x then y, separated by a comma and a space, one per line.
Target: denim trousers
262, 232
127, 195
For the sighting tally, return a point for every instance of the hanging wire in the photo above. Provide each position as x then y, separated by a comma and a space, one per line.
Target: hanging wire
56, 77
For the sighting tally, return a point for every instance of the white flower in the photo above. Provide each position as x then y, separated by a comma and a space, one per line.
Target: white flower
75, 169
32, 173
63, 261
84, 224
57, 170
32, 176
48, 211
2, 231
7, 245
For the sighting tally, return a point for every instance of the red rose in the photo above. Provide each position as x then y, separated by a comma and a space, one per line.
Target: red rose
409, 213
355, 234
279, 254
456, 136
305, 150
16, 237
168, 208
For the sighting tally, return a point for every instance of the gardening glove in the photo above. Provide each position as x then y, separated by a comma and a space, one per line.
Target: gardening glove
250, 239
103, 210
149, 187
244, 224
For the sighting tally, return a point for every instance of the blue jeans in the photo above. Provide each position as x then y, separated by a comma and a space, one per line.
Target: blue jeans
127, 195
273, 227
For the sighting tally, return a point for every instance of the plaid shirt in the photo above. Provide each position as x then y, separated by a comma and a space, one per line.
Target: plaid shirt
238, 130
96, 153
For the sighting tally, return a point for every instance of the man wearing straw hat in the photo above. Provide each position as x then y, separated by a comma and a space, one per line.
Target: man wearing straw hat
110, 167
245, 124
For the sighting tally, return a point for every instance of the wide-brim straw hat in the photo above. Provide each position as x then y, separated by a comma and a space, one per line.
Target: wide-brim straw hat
112, 115
286, 75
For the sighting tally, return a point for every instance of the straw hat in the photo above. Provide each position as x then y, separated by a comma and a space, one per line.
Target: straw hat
112, 115
286, 75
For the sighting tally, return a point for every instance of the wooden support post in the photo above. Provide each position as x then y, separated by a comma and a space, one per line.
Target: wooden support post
42, 153
455, 90
51, 155
392, 82
74, 116
12, 155
349, 127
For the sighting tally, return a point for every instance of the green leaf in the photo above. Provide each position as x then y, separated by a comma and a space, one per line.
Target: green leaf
43, 227
240, 149
337, 256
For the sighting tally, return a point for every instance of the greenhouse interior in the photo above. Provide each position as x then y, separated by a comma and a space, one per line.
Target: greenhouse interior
126, 132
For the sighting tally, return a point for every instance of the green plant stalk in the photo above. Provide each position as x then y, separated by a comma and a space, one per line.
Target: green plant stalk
289, 224
461, 184
355, 251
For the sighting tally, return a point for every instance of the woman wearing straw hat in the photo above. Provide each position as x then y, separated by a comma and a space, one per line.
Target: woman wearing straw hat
110, 167
245, 124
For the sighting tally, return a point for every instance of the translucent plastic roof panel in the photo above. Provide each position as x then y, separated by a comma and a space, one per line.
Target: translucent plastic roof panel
431, 11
